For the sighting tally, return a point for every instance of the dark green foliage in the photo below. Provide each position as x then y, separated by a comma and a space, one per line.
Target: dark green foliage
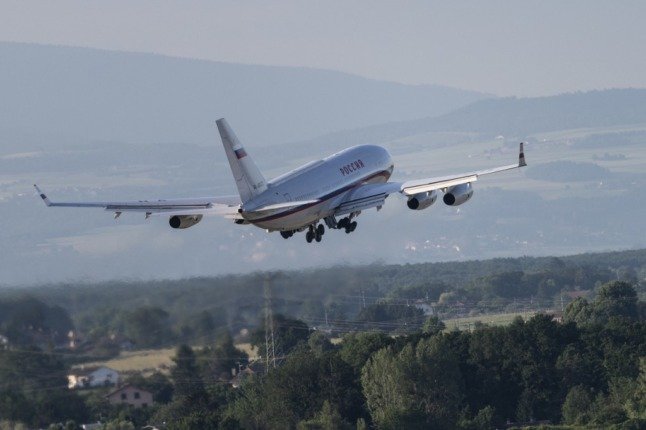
319, 343
148, 326
327, 419
288, 333
429, 291
587, 370
218, 361
26, 320
616, 299
296, 392
33, 388
186, 376
577, 405
394, 313
357, 348
433, 325
192, 406
421, 386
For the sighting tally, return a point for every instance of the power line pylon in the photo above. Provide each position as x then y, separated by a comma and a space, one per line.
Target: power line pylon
270, 346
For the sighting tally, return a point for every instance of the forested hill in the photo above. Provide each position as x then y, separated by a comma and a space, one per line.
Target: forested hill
477, 287
391, 365
515, 117
59, 92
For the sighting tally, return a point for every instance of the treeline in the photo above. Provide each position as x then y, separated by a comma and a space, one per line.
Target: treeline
158, 313
587, 370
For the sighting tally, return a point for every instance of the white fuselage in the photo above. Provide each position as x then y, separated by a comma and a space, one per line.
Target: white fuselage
328, 181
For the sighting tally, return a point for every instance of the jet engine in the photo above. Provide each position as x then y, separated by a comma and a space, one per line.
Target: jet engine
421, 201
184, 221
458, 194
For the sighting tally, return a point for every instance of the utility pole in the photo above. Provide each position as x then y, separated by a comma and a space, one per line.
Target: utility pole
270, 347
327, 324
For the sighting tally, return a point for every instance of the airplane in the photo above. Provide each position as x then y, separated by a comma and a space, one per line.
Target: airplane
335, 189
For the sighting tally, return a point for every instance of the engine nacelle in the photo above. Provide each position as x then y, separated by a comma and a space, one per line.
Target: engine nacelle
421, 201
184, 221
458, 194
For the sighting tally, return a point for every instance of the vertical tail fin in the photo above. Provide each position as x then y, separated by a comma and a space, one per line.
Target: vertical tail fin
249, 180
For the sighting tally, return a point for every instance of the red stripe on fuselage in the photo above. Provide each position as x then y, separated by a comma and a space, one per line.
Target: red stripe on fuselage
386, 174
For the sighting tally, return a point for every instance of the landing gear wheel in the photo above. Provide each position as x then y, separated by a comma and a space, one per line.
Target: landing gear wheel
320, 230
318, 237
353, 226
309, 236
286, 234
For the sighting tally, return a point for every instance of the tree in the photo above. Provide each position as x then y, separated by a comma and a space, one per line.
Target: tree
148, 326
319, 343
357, 348
381, 312
288, 333
327, 419
216, 362
615, 299
297, 390
191, 406
578, 311
33, 388
576, 408
433, 325
636, 405
186, 376
506, 284
577, 366
420, 386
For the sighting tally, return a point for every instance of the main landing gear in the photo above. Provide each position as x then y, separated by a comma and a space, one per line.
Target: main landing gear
347, 224
287, 234
315, 233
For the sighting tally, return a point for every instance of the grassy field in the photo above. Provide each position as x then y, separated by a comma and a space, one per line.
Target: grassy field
145, 361
150, 360
468, 323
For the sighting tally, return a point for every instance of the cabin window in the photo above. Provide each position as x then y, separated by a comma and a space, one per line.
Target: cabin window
124, 396
136, 394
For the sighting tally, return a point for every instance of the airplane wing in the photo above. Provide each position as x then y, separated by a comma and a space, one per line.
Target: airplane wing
225, 205
374, 195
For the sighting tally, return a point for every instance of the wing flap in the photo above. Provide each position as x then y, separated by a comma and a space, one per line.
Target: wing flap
224, 211
366, 197
152, 206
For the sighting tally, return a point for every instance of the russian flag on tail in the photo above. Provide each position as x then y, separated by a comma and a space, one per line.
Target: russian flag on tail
240, 153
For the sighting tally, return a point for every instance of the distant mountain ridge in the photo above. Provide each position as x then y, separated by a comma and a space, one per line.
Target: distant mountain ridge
147, 98
512, 116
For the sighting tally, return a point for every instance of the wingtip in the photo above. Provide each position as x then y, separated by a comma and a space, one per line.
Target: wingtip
43, 196
521, 156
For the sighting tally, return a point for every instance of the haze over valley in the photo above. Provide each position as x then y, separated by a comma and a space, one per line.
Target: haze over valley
97, 125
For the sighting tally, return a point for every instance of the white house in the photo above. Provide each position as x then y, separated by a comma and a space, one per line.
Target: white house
93, 377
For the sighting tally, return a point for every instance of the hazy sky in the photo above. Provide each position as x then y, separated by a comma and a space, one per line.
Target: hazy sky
502, 47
